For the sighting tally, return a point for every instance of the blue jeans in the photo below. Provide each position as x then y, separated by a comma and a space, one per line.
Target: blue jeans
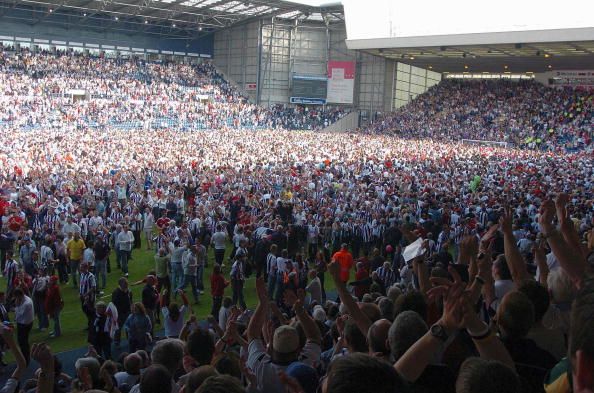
199, 278
118, 253
124, 260
219, 256
188, 279
39, 306
57, 327
74, 271
237, 286
177, 275
101, 272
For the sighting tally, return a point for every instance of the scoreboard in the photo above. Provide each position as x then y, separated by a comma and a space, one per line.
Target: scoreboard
309, 90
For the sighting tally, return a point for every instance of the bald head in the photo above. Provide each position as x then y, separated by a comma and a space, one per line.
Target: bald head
377, 338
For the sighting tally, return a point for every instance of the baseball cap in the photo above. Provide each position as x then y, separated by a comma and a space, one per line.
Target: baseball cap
286, 339
305, 375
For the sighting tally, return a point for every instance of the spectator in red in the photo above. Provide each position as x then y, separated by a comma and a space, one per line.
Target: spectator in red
361, 274
217, 290
54, 304
345, 260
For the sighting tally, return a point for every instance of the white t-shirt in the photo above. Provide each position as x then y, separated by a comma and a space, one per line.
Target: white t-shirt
125, 240
223, 315
89, 256
281, 264
218, 239
173, 328
24, 312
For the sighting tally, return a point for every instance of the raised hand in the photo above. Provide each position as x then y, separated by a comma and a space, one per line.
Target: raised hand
468, 249
42, 353
484, 266
450, 292
547, 214
341, 322
470, 319
562, 213
506, 221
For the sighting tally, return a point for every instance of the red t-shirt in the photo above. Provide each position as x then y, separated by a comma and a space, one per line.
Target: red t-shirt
217, 285
345, 260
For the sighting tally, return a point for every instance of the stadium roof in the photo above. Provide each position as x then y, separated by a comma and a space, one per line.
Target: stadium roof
522, 57
171, 18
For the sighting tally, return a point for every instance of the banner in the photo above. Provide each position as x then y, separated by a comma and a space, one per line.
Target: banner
341, 82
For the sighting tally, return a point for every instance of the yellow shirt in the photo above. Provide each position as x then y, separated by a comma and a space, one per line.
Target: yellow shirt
75, 249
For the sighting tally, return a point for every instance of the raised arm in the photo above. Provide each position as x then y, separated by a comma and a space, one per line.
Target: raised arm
163, 299
570, 235
571, 260
8, 337
312, 333
184, 297
362, 321
43, 355
468, 250
414, 361
258, 320
486, 341
514, 259
422, 271
278, 314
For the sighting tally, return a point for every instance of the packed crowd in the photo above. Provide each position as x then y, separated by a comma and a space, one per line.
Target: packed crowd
36, 92
456, 268
303, 117
450, 272
523, 113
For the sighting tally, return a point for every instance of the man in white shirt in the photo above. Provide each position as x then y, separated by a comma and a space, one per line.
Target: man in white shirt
95, 221
148, 223
70, 227
24, 316
125, 241
314, 287
218, 240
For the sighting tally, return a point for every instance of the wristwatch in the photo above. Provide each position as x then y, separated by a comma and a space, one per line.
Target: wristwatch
439, 332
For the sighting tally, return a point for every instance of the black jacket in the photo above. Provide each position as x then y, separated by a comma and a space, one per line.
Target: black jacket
123, 302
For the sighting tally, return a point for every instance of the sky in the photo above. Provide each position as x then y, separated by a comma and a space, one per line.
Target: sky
390, 18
